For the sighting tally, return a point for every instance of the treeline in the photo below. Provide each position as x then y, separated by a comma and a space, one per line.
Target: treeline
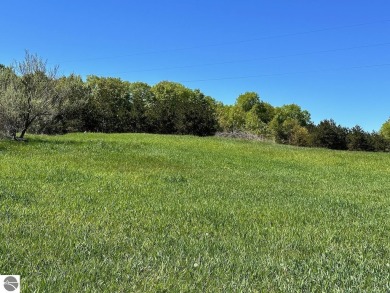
290, 124
34, 99
105, 104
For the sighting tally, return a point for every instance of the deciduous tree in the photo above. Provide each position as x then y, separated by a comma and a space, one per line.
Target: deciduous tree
284, 120
247, 101
385, 129
141, 99
108, 105
28, 93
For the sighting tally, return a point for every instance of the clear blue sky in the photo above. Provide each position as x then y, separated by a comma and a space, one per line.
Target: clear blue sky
330, 57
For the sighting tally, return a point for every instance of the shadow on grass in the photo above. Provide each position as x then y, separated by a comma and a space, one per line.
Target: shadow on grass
52, 140
36, 141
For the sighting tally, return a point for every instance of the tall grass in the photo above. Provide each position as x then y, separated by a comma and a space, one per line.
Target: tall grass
154, 213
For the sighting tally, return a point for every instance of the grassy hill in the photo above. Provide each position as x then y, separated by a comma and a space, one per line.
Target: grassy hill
154, 213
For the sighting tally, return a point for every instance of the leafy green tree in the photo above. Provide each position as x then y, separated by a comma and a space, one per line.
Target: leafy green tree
223, 113
168, 108
291, 111
255, 125
141, 99
28, 93
177, 109
200, 116
237, 117
385, 129
248, 114
299, 136
284, 120
247, 101
11, 104
108, 105
265, 111
72, 108
231, 118
293, 133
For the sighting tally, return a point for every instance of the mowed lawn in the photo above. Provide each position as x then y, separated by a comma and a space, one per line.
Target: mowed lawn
155, 213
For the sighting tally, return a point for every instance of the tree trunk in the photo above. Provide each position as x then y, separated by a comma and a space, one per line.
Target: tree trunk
27, 124
21, 136
13, 135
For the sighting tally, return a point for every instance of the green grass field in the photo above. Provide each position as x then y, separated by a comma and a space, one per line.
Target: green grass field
154, 213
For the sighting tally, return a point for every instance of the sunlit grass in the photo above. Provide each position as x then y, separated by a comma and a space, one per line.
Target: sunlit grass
153, 213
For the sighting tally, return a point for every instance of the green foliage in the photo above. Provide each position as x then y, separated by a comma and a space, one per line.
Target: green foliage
293, 112
33, 98
296, 134
11, 103
141, 103
385, 129
247, 115
237, 118
70, 110
169, 106
222, 112
231, 118
247, 101
378, 142
108, 105
253, 123
285, 119
265, 111
329, 135
177, 109
200, 116
149, 213
358, 140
